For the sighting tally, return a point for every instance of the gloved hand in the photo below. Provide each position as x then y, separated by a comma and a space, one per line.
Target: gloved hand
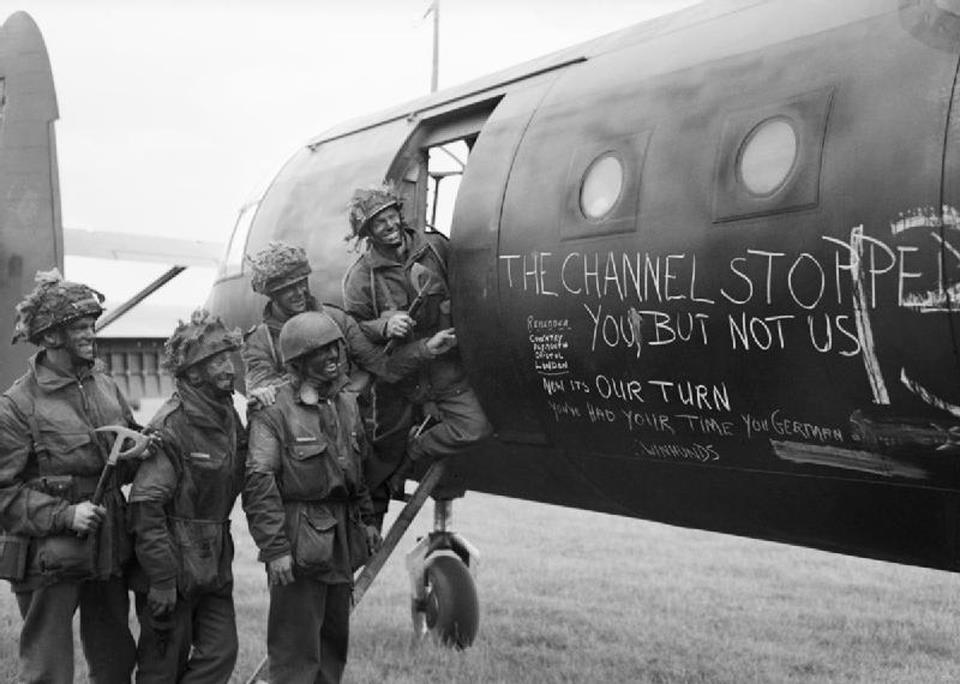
161, 601
373, 538
280, 570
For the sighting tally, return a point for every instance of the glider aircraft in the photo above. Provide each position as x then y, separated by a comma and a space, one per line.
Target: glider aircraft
705, 270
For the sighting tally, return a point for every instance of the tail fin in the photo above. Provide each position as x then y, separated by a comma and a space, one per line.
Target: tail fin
31, 232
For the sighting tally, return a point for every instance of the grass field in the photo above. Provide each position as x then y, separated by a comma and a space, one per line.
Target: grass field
569, 596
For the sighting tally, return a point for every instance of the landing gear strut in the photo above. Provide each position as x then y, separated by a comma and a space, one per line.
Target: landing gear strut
444, 600
444, 597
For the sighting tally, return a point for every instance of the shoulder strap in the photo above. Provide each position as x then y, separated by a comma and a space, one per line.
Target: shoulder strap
273, 349
346, 276
440, 261
158, 424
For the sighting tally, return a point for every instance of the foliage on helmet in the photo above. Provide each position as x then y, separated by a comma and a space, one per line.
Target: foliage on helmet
203, 336
54, 302
276, 266
306, 332
367, 203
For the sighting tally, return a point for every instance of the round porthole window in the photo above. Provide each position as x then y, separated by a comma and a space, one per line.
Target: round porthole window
602, 185
768, 156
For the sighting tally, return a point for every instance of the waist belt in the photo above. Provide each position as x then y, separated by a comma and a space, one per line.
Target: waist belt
74, 488
201, 521
326, 500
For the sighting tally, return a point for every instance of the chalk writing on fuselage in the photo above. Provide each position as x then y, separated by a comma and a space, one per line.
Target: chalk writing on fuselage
632, 297
714, 397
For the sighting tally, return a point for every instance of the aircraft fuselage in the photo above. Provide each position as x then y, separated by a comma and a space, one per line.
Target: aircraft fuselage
706, 270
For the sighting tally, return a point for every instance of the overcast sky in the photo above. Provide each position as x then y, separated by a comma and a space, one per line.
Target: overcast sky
174, 113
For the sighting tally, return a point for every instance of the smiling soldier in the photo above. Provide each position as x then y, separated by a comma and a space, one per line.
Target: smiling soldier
398, 290
63, 551
307, 505
180, 507
281, 272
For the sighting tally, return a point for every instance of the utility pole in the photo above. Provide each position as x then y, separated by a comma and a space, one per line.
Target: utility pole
434, 76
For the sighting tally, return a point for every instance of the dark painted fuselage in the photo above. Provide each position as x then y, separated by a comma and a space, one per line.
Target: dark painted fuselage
778, 361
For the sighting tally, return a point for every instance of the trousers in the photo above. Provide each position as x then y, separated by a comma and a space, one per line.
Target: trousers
200, 646
308, 631
46, 640
462, 423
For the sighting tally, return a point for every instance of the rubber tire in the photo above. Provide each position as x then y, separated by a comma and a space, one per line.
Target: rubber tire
452, 608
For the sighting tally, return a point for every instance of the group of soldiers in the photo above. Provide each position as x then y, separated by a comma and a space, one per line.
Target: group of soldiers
335, 422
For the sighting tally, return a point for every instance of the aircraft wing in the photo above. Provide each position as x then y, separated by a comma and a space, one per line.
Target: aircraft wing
101, 244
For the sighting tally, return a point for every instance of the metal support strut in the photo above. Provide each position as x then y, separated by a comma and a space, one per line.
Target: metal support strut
397, 530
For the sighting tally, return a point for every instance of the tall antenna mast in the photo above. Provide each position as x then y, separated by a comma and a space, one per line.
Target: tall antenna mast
434, 76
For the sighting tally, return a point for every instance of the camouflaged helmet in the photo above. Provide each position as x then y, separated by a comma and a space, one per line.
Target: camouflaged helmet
54, 302
367, 203
305, 332
276, 266
199, 339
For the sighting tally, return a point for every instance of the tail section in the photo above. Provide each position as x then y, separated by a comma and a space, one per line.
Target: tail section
31, 233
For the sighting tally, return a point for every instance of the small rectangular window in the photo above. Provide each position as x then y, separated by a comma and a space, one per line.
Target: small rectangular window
445, 166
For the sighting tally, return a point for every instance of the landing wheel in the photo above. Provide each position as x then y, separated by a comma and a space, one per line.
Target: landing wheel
450, 611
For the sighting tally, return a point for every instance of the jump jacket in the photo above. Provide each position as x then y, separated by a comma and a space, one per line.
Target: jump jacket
305, 494
51, 459
376, 287
181, 498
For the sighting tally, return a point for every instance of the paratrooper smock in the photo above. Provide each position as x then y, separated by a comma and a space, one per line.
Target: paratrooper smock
305, 494
50, 459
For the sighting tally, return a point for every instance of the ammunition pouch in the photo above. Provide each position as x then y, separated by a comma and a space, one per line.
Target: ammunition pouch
13, 556
67, 556
313, 550
199, 545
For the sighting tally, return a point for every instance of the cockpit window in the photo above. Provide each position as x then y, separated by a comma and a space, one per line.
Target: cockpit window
768, 155
602, 186
233, 262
